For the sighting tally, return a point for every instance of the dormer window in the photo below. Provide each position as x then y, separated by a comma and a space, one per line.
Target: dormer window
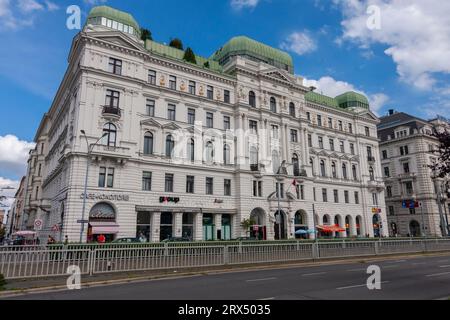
109, 23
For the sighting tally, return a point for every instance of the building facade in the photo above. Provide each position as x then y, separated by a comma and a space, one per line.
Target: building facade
193, 149
16, 212
412, 193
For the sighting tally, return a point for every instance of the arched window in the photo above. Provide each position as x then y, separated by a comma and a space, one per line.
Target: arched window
355, 173
148, 143
371, 174
252, 99
111, 133
344, 171
322, 168
292, 109
253, 158
296, 165
273, 104
209, 156
170, 144
326, 220
333, 169
226, 154
191, 150
275, 161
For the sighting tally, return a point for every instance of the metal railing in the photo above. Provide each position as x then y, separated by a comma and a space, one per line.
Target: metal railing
36, 261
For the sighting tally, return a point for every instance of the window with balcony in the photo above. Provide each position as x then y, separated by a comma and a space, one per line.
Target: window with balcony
115, 66
112, 102
252, 99
148, 143
152, 77
147, 181
409, 188
150, 108
371, 174
168, 182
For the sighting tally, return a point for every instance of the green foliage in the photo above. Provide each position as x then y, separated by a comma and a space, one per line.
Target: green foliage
206, 64
146, 34
442, 166
247, 223
176, 43
189, 56
2, 282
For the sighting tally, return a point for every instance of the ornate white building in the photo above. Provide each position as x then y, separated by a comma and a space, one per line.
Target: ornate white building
193, 149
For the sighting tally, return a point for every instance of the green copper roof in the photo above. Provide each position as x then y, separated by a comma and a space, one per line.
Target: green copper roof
352, 99
321, 99
114, 14
248, 47
177, 54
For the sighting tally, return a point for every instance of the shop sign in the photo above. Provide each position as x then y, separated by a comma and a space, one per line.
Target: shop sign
376, 210
111, 197
169, 199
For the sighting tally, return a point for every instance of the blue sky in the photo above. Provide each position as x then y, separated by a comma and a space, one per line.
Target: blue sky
329, 41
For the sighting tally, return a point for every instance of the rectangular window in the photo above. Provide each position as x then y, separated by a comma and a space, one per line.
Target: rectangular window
346, 197
209, 186
309, 141
37, 193
352, 149
191, 116
168, 187
409, 188
350, 128
226, 123
192, 89
102, 177
375, 199
190, 184
209, 119
412, 211
110, 180
336, 196
294, 136
253, 126
331, 144
150, 107
255, 188
340, 125
324, 195
342, 146
280, 190
210, 92
389, 191
173, 82
330, 123
386, 172
385, 156
260, 188
147, 181
112, 98
319, 120
302, 192
356, 197
308, 116
314, 194
406, 167
369, 153
227, 187
391, 211
367, 131
226, 96
171, 112
39, 170
152, 77
320, 142
115, 66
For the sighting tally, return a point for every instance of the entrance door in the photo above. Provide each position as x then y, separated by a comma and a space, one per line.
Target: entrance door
226, 227
166, 226
208, 227
280, 226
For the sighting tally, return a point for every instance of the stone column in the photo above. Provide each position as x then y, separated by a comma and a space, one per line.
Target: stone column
218, 224
198, 226
156, 223
178, 224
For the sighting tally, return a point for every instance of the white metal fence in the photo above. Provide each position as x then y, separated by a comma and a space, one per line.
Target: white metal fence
54, 261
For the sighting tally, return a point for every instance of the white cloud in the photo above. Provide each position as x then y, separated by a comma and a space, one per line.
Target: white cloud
9, 194
243, 4
299, 43
29, 6
416, 35
14, 154
332, 88
51, 6
21, 13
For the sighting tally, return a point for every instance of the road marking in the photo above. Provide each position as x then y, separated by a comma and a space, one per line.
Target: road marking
355, 270
272, 298
313, 274
437, 274
418, 263
255, 280
358, 286
440, 261
387, 267
447, 266
398, 261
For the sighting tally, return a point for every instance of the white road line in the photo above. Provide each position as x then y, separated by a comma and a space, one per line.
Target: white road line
358, 286
272, 298
437, 274
446, 266
398, 261
313, 274
255, 280
418, 263
441, 261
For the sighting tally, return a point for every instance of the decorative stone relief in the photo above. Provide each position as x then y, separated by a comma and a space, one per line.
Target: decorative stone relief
201, 90
219, 95
183, 86
162, 81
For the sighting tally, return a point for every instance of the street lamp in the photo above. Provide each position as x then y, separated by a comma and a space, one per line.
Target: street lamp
90, 149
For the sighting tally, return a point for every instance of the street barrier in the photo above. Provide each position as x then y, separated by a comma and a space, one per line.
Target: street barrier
99, 259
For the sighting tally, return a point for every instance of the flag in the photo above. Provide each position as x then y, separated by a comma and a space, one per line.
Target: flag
294, 183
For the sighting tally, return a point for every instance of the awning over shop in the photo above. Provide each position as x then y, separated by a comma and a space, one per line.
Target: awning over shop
104, 227
330, 229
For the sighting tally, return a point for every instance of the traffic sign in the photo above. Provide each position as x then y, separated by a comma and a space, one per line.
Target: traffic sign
38, 224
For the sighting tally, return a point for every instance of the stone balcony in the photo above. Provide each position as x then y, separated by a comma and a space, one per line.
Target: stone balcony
118, 153
407, 176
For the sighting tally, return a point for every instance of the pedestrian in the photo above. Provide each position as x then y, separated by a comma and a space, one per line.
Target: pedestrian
50, 240
66, 240
101, 239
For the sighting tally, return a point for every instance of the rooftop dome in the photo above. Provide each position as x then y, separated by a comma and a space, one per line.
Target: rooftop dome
352, 99
244, 46
115, 15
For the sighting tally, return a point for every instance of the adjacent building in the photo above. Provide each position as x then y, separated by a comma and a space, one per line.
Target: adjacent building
16, 213
408, 148
194, 149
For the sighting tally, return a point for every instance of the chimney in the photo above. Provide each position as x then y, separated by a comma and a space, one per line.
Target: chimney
391, 112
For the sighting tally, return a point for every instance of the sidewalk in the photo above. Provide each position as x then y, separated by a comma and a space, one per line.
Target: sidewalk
22, 286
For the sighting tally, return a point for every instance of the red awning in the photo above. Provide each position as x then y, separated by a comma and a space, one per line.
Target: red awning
104, 227
330, 228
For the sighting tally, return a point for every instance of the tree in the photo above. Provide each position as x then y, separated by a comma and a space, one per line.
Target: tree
247, 223
206, 64
2, 282
176, 43
189, 56
146, 34
442, 166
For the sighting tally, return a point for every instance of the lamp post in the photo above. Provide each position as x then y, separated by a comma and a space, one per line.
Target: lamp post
281, 170
90, 149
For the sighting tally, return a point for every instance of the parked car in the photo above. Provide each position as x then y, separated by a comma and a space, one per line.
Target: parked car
127, 240
177, 239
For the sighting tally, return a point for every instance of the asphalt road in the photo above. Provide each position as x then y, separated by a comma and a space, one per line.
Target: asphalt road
405, 279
